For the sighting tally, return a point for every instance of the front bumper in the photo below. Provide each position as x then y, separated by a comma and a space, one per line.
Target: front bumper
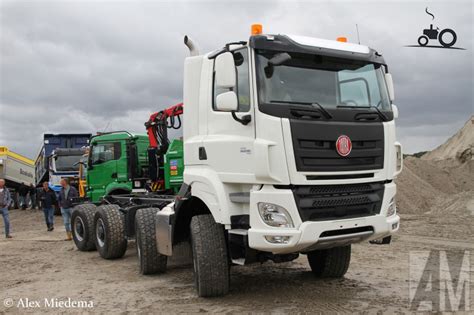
311, 235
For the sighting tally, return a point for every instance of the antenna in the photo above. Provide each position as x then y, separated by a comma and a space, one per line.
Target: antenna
358, 38
107, 126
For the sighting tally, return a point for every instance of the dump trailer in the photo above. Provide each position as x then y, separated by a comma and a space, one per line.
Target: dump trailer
53, 142
289, 149
16, 169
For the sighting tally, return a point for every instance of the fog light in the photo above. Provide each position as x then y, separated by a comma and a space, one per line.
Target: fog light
394, 226
274, 215
138, 183
278, 239
392, 208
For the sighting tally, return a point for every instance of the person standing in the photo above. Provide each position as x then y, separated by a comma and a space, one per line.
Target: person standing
23, 193
33, 196
5, 200
48, 201
66, 195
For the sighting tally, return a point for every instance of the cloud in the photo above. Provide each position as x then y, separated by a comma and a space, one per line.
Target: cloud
80, 66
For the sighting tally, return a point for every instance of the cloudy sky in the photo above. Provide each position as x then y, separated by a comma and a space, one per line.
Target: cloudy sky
70, 66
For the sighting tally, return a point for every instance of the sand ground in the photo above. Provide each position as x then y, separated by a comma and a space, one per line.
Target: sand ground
38, 265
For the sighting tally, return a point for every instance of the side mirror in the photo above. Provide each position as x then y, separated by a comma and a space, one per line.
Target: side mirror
389, 82
227, 102
225, 71
395, 111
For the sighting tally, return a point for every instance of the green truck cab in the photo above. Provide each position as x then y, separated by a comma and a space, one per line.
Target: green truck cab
118, 164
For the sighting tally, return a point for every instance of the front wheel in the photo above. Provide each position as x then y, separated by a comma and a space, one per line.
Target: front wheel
149, 260
423, 40
211, 264
331, 262
110, 238
83, 232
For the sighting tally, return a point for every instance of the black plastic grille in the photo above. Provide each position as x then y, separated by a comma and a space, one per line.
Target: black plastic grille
329, 202
314, 145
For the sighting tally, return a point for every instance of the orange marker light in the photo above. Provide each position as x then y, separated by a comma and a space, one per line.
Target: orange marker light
342, 39
256, 29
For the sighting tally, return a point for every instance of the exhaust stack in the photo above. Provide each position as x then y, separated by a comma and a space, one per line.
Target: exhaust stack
193, 49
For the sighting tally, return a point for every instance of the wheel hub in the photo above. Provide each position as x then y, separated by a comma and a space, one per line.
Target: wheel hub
79, 229
100, 232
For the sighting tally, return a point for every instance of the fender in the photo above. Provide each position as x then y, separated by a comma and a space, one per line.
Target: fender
110, 188
208, 187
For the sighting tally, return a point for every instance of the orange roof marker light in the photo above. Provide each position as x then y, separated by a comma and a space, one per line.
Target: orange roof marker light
342, 39
257, 29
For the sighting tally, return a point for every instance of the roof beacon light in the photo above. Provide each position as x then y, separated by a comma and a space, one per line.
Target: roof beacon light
342, 39
256, 29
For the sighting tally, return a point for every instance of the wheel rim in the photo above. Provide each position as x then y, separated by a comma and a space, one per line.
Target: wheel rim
139, 251
79, 229
100, 232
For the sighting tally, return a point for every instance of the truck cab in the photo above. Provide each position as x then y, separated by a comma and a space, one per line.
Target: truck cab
117, 164
290, 148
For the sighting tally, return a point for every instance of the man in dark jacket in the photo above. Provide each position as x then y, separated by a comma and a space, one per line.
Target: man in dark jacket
65, 202
23, 191
5, 201
48, 201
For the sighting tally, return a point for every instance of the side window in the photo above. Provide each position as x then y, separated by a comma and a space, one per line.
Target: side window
243, 81
105, 152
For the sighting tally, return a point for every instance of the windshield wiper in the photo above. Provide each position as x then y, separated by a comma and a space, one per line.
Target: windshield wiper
314, 104
377, 110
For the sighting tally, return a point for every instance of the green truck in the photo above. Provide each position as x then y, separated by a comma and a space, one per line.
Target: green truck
118, 164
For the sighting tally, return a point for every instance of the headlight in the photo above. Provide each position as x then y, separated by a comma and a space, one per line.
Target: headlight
274, 215
392, 208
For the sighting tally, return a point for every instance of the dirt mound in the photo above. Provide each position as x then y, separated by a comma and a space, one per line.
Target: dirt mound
458, 147
441, 181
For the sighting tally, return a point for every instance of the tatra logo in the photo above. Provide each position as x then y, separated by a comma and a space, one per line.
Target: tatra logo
343, 145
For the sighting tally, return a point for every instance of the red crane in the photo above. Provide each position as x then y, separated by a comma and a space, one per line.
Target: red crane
157, 130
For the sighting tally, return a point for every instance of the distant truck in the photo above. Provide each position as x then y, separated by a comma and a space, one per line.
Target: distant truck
118, 164
64, 163
51, 144
16, 169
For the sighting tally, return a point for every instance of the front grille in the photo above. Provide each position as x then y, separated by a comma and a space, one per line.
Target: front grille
329, 202
314, 145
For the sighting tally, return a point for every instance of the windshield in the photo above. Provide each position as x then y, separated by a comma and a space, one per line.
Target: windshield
329, 81
66, 163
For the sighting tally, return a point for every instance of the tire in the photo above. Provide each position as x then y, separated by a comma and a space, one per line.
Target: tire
83, 232
443, 43
330, 263
109, 228
423, 40
149, 260
211, 263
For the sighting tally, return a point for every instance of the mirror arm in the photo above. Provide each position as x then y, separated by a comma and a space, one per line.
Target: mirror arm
244, 120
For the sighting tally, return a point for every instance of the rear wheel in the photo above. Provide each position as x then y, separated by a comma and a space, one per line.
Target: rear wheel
82, 221
330, 263
211, 264
445, 42
149, 260
110, 238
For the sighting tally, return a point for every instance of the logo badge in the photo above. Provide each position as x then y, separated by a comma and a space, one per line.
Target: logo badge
343, 145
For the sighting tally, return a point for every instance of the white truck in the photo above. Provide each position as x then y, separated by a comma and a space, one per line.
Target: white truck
16, 169
289, 149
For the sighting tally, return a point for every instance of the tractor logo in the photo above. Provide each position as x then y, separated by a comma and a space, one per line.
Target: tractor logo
446, 37
343, 145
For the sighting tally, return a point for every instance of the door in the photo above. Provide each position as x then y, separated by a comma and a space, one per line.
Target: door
102, 167
229, 144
